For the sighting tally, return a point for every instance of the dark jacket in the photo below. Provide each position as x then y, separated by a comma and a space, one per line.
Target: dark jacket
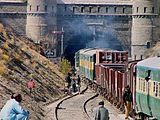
68, 79
102, 113
127, 96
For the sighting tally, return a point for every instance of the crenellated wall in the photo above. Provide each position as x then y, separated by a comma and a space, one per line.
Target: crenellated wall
132, 25
9, 15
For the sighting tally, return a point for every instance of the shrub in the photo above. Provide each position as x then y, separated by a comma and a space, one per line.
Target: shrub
1, 51
5, 45
2, 67
5, 57
65, 66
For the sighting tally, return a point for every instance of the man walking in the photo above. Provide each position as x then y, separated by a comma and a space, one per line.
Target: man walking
101, 112
127, 99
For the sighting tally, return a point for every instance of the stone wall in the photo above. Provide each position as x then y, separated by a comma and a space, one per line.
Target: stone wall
15, 16
13, 7
107, 24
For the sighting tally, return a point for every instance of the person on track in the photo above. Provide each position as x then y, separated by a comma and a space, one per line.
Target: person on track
101, 112
127, 99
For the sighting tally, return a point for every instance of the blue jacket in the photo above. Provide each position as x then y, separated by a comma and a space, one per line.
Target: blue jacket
13, 111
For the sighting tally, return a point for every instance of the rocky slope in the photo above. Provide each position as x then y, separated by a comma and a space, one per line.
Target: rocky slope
155, 51
19, 62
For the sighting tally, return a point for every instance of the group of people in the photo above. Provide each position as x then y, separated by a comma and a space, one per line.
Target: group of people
71, 83
12, 110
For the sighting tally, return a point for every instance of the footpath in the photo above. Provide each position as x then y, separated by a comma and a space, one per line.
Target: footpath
114, 113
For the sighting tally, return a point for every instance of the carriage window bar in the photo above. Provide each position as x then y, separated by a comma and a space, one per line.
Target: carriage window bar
144, 85
154, 86
159, 89
139, 83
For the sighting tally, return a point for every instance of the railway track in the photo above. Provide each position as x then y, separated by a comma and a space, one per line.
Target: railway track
80, 107
74, 107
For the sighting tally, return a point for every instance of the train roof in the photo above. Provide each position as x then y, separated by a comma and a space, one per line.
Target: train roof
90, 51
153, 62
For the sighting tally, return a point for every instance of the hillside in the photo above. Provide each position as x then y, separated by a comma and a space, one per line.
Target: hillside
155, 51
19, 62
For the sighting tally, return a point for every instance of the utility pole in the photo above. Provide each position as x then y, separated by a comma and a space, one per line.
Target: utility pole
62, 41
62, 37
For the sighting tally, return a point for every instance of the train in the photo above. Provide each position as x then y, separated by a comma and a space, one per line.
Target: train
109, 71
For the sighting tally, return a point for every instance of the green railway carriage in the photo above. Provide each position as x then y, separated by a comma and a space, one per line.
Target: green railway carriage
77, 62
148, 87
85, 62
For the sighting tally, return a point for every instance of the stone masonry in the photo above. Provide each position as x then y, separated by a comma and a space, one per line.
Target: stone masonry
132, 25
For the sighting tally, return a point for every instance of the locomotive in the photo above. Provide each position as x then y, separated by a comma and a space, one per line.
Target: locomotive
109, 71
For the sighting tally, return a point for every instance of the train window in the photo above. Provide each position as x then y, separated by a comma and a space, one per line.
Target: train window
141, 84
159, 89
109, 57
139, 81
156, 92
154, 86
144, 85
149, 86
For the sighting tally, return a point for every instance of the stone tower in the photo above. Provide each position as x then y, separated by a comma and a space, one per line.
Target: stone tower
41, 19
145, 13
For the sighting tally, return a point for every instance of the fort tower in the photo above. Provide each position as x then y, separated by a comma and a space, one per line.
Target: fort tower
145, 13
41, 19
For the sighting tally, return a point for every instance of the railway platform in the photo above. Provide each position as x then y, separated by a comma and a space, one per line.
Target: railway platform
72, 109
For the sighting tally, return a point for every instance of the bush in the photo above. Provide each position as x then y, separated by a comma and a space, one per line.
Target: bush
5, 57
65, 66
5, 45
2, 67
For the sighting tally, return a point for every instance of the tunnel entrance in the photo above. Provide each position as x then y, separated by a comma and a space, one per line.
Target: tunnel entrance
101, 40
76, 43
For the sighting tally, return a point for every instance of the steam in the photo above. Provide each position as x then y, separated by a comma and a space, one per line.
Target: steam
94, 33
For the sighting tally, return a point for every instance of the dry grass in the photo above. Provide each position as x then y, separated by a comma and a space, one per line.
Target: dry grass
5, 45
2, 67
1, 28
5, 57
155, 51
